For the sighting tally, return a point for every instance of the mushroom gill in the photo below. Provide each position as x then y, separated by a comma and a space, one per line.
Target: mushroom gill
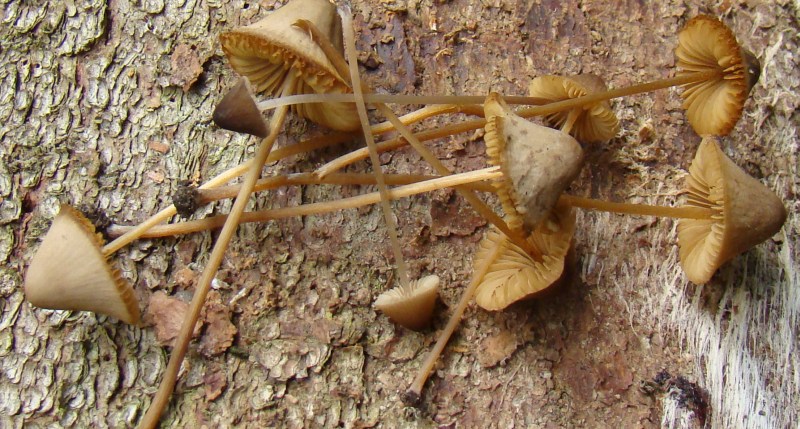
267, 51
589, 123
411, 306
745, 213
514, 275
70, 272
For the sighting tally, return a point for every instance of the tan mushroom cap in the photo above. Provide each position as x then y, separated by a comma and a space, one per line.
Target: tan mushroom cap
70, 272
714, 106
238, 112
746, 213
266, 51
538, 163
514, 274
411, 307
595, 122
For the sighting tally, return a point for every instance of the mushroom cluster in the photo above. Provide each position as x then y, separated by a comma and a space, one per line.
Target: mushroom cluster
299, 50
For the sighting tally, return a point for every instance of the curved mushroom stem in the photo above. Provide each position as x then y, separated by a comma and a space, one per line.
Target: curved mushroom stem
540, 110
570, 122
319, 208
412, 395
160, 401
685, 212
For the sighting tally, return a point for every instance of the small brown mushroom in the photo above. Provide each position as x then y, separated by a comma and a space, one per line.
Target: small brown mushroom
267, 51
70, 272
515, 275
538, 163
746, 213
237, 111
714, 106
411, 306
588, 124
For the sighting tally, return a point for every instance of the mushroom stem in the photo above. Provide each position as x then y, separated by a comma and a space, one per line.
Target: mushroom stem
529, 112
685, 212
412, 395
361, 108
318, 208
477, 204
573, 116
181, 345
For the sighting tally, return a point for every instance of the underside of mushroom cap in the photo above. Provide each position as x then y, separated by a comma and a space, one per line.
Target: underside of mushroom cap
70, 272
538, 164
746, 213
595, 122
515, 275
412, 306
237, 111
267, 51
714, 106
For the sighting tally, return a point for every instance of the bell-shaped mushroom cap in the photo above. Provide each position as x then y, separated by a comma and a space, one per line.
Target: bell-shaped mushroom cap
714, 106
238, 112
265, 52
515, 275
70, 272
746, 213
411, 307
592, 123
538, 163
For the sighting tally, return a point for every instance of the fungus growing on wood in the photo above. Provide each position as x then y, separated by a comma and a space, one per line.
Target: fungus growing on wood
727, 212
410, 306
538, 163
70, 272
588, 124
715, 105
269, 50
515, 275
237, 111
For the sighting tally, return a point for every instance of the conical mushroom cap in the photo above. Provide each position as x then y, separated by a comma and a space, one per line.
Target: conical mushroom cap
515, 275
595, 122
714, 106
746, 213
237, 111
265, 52
538, 163
70, 272
411, 307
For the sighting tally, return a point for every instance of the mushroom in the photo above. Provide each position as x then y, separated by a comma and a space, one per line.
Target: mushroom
237, 111
715, 105
727, 212
588, 124
269, 50
538, 163
505, 273
70, 272
410, 306
515, 275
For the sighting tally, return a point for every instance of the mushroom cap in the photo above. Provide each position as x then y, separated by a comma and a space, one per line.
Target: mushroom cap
595, 122
266, 51
538, 163
714, 106
411, 307
515, 275
746, 213
70, 272
238, 112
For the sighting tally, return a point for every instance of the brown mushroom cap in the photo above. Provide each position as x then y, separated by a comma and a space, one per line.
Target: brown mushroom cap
747, 213
411, 307
238, 112
514, 274
538, 163
266, 51
595, 122
714, 106
70, 272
